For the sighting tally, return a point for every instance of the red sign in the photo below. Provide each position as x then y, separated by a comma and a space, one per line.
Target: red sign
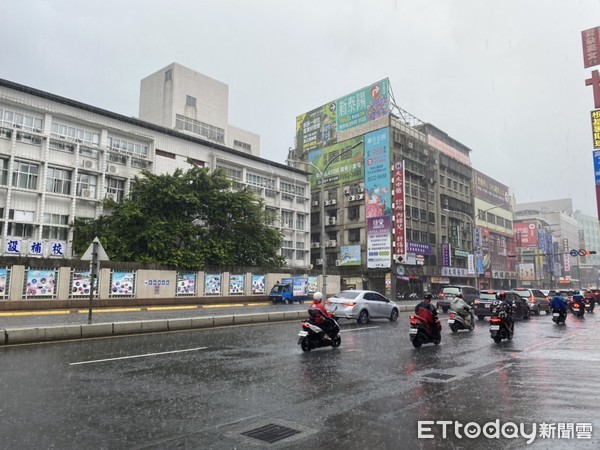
399, 217
525, 234
591, 44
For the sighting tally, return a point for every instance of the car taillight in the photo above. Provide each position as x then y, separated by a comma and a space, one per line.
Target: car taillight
328, 302
476, 302
441, 295
531, 299
349, 303
495, 320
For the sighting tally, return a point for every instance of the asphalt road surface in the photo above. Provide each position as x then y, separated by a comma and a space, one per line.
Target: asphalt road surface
252, 387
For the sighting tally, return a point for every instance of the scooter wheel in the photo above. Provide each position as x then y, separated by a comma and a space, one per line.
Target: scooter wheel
454, 328
336, 341
304, 346
437, 341
416, 342
497, 339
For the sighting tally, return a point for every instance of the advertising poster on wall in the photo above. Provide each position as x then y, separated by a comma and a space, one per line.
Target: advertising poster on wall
312, 284
379, 242
3, 283
401, 245
236, 284
350, 255
345, 169
122, 284
359, 107
186, 283
212, 284
40, 283
317, 128
258, 284
527, 272
377, 174
80, 283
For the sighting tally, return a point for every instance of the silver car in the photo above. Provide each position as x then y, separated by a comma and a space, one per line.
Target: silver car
362, 306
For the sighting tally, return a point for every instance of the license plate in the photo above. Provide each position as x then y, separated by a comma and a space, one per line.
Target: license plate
450, 320
303, 333
555, 314
576, 309
494, 327
412, 331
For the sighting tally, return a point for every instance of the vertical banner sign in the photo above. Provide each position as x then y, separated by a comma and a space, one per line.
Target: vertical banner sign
378, 198
590, 39
596, 127
446, 255
597, 179
399, 216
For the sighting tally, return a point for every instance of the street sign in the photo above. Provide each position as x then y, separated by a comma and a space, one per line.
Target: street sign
582, 252
573, 252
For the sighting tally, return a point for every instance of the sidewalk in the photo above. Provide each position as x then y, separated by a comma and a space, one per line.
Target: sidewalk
19, 327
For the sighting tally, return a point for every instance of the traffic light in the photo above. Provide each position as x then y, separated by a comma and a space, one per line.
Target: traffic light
592, 252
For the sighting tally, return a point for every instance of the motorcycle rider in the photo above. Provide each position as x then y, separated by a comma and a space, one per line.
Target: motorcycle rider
321, 315
577, 297
427, 305
558, 302
461, 307
501, 304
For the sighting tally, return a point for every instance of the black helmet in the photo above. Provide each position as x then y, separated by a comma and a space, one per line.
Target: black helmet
428, 296
501, 295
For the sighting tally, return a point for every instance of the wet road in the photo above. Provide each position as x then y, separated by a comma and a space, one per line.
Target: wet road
225, 388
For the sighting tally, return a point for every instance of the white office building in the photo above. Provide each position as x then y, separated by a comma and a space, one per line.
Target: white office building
60, 158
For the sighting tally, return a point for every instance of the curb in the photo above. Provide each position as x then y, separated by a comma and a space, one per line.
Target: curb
28, 335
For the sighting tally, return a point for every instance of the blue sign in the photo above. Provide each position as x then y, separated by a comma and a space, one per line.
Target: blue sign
573, 253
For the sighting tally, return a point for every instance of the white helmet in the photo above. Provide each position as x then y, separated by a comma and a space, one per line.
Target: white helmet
317, 297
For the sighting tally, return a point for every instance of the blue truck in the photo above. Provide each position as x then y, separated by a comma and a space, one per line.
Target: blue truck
290, 290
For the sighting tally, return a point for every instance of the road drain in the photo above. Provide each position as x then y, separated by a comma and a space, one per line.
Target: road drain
271, 433
439, 376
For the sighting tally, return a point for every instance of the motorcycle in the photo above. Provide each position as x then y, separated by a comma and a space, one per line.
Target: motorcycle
577, 308
499, 327
313, 336
590, 303
457, 321
558, 316
421, 329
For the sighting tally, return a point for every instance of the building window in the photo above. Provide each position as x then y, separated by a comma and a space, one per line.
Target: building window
58, 181
287, 218
63, 131
25, 175
300, 221
86, 185
169, 75
199, 128
125, 146
242, 145
354, 235
287, 253
190, 101
115, 189
353, 212
3, 173
19, 120
24, 230
58, 233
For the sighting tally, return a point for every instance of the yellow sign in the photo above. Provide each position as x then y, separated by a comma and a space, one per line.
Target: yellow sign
596, 127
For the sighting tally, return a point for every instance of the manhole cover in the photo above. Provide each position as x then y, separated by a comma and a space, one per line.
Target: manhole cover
271, 433
439, 376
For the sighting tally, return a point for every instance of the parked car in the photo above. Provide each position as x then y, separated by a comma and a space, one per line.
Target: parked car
362, 306
448, 293
535, 298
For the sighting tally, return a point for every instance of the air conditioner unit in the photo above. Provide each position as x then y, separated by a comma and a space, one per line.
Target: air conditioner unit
333, 201
352, 198
331, 220
112, 169
86, 193
360, 189
327, 202
315, 245
88, 164
16, 125
360, 196
111, 196
338, 262
62, 137
347, 191
79, 140
315, 203
331, 243
319, 262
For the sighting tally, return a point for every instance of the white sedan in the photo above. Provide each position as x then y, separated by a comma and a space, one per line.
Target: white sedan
362, 306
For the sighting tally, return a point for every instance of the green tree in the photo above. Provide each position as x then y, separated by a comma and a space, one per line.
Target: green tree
188, 219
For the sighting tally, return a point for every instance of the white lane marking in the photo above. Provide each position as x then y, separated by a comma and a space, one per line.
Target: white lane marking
358, 329
137, 356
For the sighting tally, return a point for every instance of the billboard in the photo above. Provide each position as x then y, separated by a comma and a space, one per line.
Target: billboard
350, 255
401, 245
377, 174
488, 189
526, 234
379, 242
352, 115
347, 169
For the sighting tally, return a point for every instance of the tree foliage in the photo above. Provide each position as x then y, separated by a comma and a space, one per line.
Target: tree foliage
186, 219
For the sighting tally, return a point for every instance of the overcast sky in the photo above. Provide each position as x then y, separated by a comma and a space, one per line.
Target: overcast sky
505, 78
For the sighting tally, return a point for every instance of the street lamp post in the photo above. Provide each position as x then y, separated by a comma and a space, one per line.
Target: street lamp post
472, 243
322, 200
